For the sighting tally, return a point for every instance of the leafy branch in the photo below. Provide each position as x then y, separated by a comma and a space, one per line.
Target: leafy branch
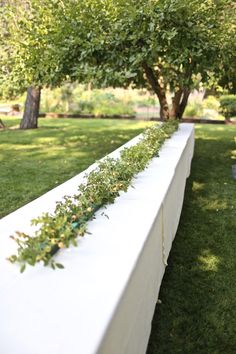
103, 185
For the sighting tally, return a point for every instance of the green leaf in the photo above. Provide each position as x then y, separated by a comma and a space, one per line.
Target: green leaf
59, 265
130, 75
22, 268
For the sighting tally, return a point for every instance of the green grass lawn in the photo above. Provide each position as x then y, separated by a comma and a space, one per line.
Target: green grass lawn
198, 310
34, 161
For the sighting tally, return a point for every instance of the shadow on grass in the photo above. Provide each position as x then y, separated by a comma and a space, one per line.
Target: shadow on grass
198, 293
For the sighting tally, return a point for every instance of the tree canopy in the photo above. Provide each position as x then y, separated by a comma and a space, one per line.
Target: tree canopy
165, 45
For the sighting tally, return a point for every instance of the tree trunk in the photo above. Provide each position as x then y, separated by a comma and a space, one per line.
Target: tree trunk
179, 103
175, 103
159, 91
183, 103
164, 107
2, 126
31, 111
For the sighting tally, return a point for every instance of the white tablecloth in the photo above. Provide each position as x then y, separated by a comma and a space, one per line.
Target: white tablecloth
104, 299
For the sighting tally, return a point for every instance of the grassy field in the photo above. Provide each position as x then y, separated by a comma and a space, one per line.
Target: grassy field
197, 314
35, 161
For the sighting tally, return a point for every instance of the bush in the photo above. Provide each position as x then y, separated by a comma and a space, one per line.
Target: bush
228, 105
211, 102
100, 102
72, 98
194, 109
81, 99
54, 101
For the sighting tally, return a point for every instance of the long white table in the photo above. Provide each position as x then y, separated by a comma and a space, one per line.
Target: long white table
103, 301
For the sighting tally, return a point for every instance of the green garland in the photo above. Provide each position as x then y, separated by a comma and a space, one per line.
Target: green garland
102, 186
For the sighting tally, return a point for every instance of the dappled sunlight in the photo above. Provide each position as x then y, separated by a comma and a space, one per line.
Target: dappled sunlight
207, 138
233, 154
216, 205
210, 127
45, 140
57, 151
14, 127
197, 186
212, 132
219, 128
20, 147
209, 261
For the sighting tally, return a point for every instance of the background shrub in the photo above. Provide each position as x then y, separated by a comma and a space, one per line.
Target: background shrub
211, 102
194, 109
81, 99
228, 105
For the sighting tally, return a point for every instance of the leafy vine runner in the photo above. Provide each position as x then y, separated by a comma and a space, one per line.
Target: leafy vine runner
103, 185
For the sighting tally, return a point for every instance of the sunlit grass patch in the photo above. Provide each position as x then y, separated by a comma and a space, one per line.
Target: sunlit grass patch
209, 262
197, 186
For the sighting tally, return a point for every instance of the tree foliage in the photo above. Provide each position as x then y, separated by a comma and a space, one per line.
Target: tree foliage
165, 45
169, 45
